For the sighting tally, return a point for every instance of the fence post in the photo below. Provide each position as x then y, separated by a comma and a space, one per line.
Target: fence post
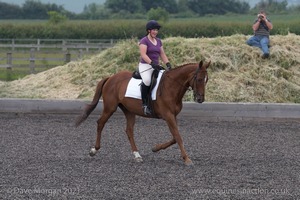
80, 54
13, 44
9, 66
38, 44
87, 48
67, 57
32, 61
64, 47
9, 60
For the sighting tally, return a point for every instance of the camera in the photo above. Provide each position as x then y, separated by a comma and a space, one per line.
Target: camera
261, 17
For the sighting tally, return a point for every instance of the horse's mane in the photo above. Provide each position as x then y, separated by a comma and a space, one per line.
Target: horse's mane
183, 65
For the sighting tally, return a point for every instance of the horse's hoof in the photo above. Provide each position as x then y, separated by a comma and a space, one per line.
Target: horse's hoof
139, 159
93, 152
188, 162
155, 149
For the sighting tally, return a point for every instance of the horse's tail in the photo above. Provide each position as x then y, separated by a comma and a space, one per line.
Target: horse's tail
90, 107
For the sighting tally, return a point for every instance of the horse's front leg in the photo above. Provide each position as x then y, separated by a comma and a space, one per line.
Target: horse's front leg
171, 121
165, 145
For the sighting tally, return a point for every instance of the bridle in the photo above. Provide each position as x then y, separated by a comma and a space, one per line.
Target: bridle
195, 82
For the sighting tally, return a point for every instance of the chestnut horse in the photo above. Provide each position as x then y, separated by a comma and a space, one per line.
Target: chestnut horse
168, 103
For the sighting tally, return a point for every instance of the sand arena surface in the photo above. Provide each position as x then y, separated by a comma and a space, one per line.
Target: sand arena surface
45, 157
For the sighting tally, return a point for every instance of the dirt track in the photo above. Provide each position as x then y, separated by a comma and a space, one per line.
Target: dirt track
45, 157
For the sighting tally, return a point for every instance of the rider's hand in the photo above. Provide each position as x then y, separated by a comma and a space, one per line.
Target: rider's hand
155, 66
169, 66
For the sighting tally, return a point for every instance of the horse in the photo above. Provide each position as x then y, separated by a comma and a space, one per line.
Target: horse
168, 104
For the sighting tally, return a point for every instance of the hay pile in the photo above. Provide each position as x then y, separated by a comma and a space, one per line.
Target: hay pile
237, 73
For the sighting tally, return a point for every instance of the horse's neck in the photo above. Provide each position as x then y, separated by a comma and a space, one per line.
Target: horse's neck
183, 74
178, 80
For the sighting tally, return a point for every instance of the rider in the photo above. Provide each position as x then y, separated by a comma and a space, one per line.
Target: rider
151, 49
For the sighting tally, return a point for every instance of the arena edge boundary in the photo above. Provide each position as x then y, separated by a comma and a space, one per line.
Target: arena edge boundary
207, 110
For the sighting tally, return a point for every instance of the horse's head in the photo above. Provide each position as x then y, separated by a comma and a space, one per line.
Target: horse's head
198, 82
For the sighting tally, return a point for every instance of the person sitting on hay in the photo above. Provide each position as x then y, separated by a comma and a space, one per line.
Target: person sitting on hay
261, 27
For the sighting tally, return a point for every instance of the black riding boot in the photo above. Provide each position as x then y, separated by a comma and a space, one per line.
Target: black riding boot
145, 92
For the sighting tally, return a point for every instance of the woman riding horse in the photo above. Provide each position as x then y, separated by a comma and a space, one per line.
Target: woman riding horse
151, 49
167, 105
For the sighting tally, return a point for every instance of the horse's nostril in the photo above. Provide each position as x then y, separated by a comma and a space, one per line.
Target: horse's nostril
200, 99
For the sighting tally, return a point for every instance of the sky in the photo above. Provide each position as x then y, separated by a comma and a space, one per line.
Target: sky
70, 5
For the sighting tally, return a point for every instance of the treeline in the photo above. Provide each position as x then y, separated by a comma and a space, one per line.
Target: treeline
137, 9
31, 10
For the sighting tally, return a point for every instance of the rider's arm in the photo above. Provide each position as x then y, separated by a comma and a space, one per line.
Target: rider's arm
143, 52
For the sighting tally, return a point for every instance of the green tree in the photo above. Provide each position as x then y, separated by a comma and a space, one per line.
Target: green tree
55, 17
92, 10
95, 11
159, 14
182, 6
219, 7
294, 9
116, 6
168, 5
34, 10
9, 11
271, 6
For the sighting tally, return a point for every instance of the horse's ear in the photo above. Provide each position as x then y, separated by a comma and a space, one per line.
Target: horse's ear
207, 65
200, 63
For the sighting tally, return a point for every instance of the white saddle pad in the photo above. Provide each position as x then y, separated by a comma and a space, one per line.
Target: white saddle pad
134, 91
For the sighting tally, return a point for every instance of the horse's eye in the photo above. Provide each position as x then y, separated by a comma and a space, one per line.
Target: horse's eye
200, 80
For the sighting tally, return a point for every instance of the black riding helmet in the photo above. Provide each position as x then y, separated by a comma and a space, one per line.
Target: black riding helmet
152, 24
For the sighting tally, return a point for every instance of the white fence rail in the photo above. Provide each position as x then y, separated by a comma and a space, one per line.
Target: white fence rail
59, 44
47, 53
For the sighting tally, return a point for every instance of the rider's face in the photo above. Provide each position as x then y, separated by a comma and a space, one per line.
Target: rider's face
153, 33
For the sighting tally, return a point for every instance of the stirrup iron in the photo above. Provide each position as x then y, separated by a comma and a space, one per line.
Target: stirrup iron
146, 110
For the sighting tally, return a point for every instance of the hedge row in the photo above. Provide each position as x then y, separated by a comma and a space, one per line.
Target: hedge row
125, 29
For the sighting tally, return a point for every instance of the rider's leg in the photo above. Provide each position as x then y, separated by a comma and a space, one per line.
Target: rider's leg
146, 72
145, 92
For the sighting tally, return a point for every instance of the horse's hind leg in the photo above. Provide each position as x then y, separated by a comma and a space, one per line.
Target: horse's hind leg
130, 121
101, 122
159, 147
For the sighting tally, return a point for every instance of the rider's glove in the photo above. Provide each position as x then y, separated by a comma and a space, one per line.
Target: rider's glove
169, 66
155, 66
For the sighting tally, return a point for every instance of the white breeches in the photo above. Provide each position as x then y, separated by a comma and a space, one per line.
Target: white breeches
146, 73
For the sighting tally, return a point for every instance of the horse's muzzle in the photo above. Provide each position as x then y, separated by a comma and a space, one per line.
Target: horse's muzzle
199, 98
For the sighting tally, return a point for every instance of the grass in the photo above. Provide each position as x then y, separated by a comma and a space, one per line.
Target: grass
237, 73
